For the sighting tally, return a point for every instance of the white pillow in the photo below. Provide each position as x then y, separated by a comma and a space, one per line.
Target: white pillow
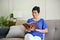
16, 31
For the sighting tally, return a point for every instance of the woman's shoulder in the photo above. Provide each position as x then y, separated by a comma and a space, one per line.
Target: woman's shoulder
41, 19
29, 20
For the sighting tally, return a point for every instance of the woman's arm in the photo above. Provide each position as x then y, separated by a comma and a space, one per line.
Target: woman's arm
43, 31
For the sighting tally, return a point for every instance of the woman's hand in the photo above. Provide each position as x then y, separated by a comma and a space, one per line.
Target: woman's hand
37, 30
32, 29
28, 30
42, 31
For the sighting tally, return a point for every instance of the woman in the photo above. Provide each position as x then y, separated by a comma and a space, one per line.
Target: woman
36, 34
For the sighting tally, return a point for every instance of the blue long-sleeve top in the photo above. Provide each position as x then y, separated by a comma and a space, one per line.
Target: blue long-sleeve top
41, 24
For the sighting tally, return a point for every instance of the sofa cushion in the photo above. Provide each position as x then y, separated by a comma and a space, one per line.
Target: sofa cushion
16, 31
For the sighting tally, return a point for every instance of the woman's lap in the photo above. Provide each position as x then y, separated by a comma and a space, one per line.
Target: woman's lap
31, 37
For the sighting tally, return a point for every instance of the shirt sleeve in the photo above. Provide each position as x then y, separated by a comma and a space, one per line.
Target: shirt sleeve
44, 25
28, 21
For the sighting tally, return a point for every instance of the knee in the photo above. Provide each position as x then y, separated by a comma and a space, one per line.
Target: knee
28, 35
37, 38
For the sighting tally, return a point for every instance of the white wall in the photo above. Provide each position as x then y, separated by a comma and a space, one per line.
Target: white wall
50, 9
4, 8
23, 8
0, 7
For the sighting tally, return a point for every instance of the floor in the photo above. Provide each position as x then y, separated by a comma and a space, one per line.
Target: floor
11, 39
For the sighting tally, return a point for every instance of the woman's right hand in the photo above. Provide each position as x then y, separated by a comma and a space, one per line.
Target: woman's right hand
32, 29
28, 30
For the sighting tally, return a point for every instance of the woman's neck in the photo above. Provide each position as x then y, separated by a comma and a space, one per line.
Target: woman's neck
36, 19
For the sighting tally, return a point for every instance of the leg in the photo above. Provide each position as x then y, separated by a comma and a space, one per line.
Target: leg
28, 37
37, 38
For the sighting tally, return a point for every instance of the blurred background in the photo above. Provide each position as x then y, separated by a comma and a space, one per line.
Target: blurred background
22, 9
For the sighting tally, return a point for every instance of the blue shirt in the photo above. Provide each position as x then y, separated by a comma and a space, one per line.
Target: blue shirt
41, 24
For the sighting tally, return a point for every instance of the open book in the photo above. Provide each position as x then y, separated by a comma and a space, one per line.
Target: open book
31, 25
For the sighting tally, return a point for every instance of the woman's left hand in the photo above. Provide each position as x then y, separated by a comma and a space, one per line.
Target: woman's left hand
43, 31
37, 30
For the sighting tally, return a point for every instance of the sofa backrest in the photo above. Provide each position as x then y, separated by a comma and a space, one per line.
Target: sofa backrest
54, 30
18, 22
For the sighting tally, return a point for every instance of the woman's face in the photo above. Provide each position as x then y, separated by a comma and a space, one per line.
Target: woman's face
35, 13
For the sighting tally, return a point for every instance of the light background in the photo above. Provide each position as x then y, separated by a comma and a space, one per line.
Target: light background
22, 9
